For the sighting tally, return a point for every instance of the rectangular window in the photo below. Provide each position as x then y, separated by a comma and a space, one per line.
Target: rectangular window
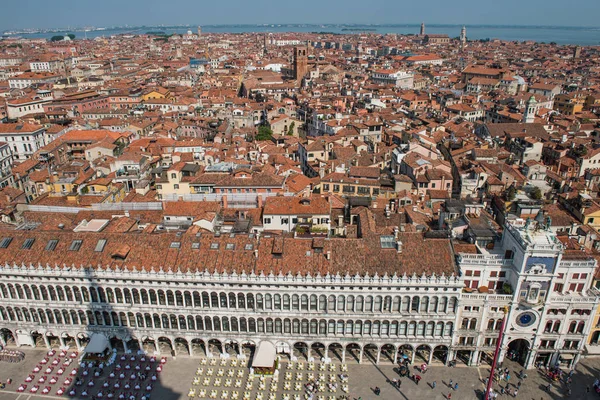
558, 287
100, 245
27, 244
75, 245
51, 244
5, 242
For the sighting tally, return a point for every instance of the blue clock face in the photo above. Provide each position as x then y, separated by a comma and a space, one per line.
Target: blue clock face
526, 319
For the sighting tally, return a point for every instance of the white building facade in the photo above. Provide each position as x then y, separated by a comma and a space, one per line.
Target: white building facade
549, 302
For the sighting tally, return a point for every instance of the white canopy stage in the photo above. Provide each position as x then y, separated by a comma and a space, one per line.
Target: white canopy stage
264, 358
98, 343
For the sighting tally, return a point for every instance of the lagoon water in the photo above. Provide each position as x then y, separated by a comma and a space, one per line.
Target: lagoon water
586, 36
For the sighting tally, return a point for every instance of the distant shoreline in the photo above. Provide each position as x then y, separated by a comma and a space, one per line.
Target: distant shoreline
562, 35
344, 27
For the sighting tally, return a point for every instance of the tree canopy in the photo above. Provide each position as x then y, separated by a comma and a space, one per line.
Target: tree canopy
264, 133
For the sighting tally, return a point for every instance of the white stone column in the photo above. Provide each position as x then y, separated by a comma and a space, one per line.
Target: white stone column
46, 340
360, 355
378, 355
343, 354
430, 357
125, 346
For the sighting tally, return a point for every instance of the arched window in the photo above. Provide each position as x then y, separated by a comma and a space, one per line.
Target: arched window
304, 326
118, 295
350, 303
358, 326
439, 329
313, 302
268, 302
421, 329
367, 328
101, 295
153, 298
443, 305
369, 303
385, 328
110, 296
425, 304
473, 323
304, 303
127, 296
225, 324
405, 304
412, 327
394, 328
359, 303
277, 302
430, 329
433, 306
60, 294
313, 327
378, 304
452, 305
448, 329
572, 326
170, 298
286, 302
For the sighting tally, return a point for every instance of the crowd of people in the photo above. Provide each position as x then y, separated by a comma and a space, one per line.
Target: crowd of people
12, 356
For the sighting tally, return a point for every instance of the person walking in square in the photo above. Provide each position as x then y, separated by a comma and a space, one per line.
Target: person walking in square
433, 384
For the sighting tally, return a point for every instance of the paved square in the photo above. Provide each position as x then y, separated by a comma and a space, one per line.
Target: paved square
180, 374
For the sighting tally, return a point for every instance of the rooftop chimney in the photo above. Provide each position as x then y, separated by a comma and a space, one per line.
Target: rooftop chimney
399, 246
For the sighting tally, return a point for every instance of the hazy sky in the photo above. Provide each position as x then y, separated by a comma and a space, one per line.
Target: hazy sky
62, 13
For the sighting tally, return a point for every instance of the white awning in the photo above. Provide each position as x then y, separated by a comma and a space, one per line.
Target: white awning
264, 356
98, 343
